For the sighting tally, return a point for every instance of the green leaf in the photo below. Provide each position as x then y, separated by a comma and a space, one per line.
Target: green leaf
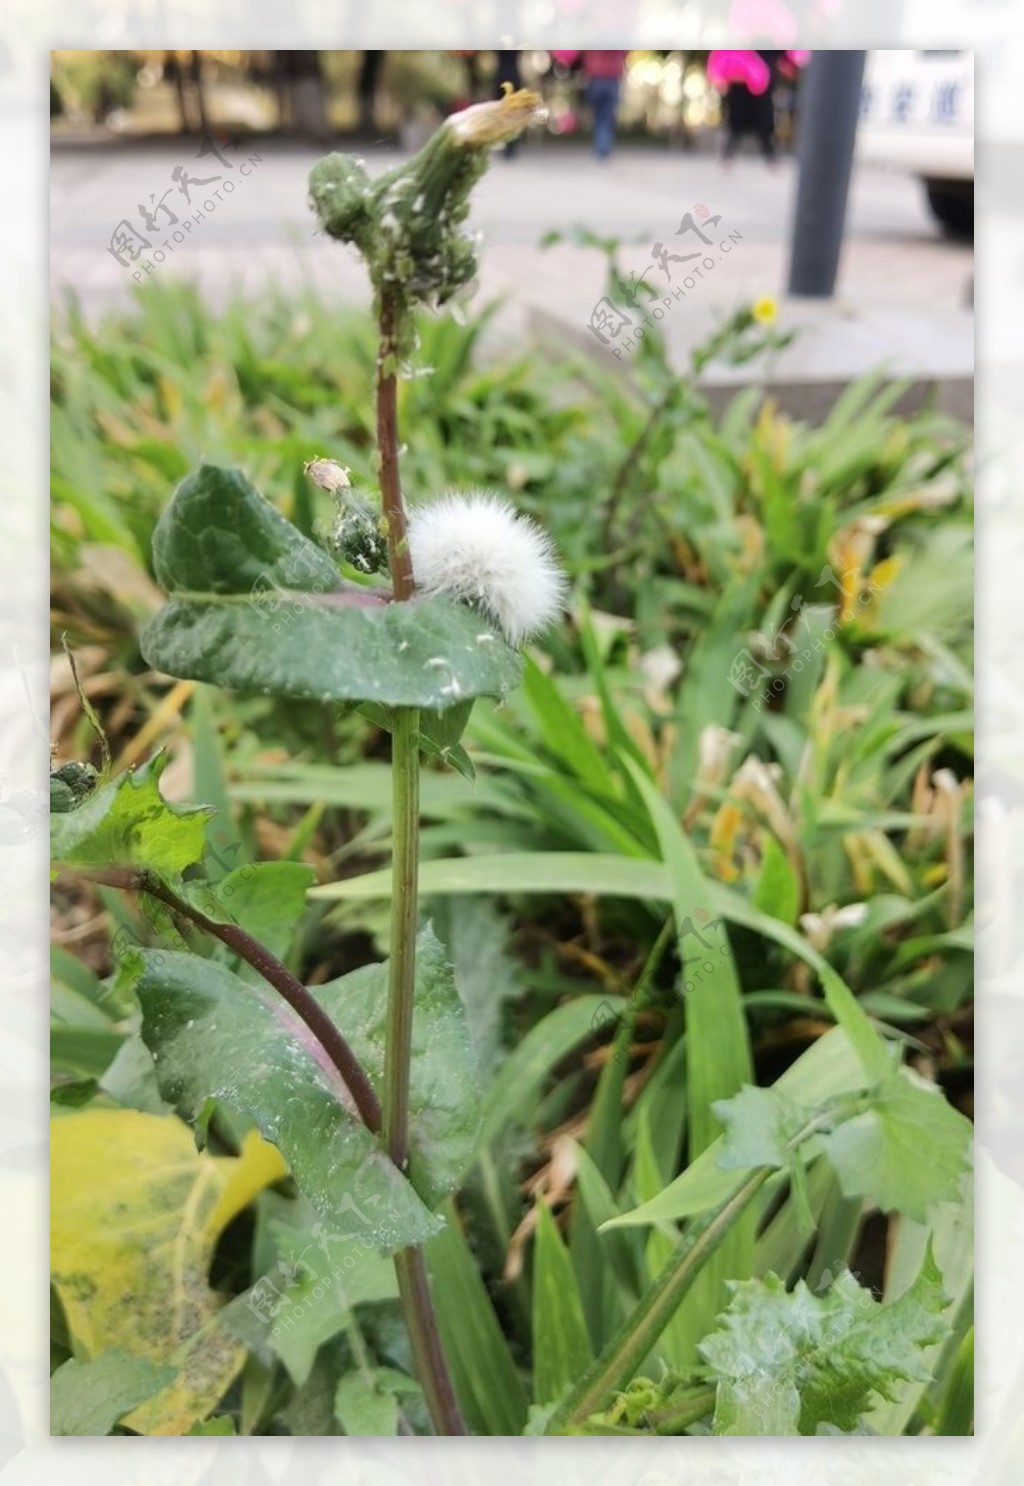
425, 653
553, 872
759, 1124
439, 735
127, 822
444, 1106
214, 1036
718, 1045
761, 1128
828, 1068
267, 899
486, 1381
312, 1281
718, 1060
476, 939
90, 1397
777, 889
219, 536
621, 877
956, 1412
787, 1363
561, 1345
258, 607
907, 1152
219, 1425
131, 1080
513, 1093
364, 1404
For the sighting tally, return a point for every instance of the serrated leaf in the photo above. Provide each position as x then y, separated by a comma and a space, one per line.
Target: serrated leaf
135, 1214
907, 1152
213, 1035
128, 822
90, 1397
787, 1363
257, 607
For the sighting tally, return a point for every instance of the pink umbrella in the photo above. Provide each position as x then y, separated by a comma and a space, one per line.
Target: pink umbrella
739, 67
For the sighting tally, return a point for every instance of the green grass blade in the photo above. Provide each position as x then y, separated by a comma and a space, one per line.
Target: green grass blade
561, 1346
486, 1382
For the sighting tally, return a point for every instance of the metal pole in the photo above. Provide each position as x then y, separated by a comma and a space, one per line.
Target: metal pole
829, 108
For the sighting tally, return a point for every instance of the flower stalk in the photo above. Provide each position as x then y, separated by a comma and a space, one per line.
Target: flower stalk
408, 226
410, 1266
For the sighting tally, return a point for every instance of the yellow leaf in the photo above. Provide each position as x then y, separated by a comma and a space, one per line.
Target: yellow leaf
136, 1212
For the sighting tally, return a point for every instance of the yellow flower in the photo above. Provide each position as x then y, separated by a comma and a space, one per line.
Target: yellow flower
765, 311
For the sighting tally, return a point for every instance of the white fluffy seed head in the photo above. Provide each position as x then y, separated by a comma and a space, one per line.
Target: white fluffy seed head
478, 548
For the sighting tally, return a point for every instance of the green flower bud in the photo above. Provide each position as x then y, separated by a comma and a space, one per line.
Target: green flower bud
408, 224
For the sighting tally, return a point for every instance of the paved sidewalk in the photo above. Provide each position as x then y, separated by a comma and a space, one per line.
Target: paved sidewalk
903, 289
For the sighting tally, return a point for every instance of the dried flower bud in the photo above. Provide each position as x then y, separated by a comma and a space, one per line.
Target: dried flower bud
327, 474
484, 125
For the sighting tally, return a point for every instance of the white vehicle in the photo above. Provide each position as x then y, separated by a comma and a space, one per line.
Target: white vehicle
917, 116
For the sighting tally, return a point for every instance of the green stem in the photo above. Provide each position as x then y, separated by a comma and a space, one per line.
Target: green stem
682, 1412
428, 1354
405, 786
627, 1349
410, 1266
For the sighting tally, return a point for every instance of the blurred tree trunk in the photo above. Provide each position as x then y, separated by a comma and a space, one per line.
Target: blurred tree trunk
172, 71
195, 68
305, 95
366, 89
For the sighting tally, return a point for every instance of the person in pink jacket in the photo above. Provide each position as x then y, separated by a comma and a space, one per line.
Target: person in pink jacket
603, 71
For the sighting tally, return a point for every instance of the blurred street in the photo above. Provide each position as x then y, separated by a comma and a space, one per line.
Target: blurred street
898, 270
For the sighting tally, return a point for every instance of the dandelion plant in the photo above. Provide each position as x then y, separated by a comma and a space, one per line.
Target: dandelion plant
408, 607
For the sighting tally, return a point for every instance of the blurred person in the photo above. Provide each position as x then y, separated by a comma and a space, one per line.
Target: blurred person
603, 71
367, 84
509, 78
471, 70
746, 79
